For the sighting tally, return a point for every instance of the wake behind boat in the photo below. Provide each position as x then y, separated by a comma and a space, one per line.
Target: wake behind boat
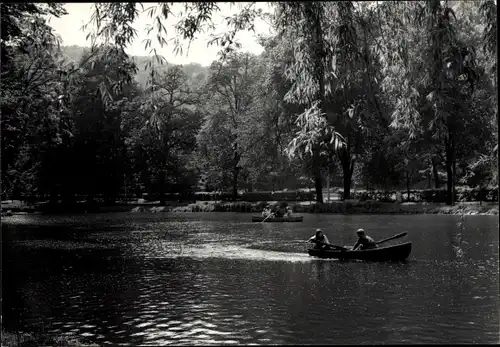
390, 253
272, 219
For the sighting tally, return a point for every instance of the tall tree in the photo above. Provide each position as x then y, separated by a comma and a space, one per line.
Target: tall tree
161, 126
438, 101
32, 101
308, 29
232, 129
99, 147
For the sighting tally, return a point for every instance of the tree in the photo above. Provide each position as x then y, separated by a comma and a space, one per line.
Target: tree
485, 12
161, 134
447, 85
232, 128
33, 90
306, 27
99, 147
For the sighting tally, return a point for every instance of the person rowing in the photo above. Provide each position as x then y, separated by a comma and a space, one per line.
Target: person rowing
279, 212
267, 211
320, 240
364, 241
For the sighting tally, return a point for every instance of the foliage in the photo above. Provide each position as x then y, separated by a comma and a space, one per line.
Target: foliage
34, 112
465, 194
162, 125
386, 95
233, 136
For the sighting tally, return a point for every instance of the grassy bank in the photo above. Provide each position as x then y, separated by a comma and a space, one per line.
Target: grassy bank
340, 207
349, 208
23, 339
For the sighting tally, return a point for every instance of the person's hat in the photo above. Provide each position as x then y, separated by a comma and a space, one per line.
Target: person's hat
318, 230
360, 231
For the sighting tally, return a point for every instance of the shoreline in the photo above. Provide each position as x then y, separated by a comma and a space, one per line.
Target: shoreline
337, 207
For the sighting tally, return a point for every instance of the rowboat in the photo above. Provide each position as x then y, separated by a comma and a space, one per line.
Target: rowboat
277, 219
390, 253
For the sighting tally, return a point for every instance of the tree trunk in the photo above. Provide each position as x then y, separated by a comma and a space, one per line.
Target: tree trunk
236, 170
450, 184
347, 182
450, 199
437, 182
318, 185
408, 180
318, 180
161, 190
319, 75
429, 177
235, 183
454, 175
328, 187
347, 170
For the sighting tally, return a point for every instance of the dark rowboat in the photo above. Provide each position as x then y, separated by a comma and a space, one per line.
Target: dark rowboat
390, 253
277, 219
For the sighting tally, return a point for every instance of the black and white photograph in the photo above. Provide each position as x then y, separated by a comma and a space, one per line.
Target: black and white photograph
249, 173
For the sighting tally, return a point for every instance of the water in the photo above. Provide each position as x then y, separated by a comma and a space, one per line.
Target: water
216, 278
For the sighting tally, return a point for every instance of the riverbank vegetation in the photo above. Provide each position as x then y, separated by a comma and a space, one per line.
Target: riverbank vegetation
347, 207
341, 207
384, 97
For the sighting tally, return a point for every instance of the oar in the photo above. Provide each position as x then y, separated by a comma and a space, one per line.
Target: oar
392, 238
270, 214
329, 245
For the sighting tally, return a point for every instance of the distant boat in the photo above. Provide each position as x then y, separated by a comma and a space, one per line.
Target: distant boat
277, 219
390, 253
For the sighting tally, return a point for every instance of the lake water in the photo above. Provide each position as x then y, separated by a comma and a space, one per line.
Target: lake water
217, 278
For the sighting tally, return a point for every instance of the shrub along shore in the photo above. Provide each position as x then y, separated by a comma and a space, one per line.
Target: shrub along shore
430, 201
347, 207
339, 207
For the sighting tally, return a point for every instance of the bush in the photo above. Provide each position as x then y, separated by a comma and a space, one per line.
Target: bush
464, 194
426, 195
277, 196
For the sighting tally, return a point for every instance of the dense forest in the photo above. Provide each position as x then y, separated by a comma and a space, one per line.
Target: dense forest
384, 96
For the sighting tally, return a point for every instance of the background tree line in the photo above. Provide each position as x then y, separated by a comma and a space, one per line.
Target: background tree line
383, 95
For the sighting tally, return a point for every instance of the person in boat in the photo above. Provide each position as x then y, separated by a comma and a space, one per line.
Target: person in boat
279, 212
289, 212
267, 211
364, 241
319, 236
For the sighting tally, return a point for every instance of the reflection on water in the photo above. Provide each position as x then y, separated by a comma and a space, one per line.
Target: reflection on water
220, 279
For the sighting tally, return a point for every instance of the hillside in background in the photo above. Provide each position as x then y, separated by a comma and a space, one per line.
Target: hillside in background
75, 53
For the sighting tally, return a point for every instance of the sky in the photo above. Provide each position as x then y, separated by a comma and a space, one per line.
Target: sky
69, 27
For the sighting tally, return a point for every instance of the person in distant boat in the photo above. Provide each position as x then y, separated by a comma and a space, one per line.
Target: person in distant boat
279, 212
267, 211
320, 240
289, 212
364, 241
